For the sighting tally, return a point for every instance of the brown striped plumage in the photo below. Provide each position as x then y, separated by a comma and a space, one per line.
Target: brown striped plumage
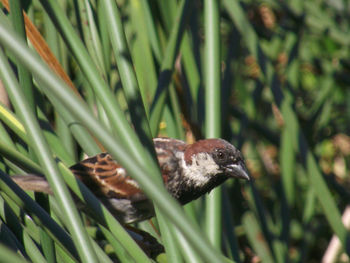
108, 174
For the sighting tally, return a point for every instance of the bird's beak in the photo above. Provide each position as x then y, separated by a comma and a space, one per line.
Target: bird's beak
238, 171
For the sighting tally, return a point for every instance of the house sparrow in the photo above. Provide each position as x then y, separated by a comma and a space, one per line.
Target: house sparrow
188, 171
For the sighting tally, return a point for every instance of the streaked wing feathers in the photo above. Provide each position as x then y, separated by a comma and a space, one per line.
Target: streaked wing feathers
102, 172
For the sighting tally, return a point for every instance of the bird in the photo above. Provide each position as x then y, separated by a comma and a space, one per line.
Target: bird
188, 172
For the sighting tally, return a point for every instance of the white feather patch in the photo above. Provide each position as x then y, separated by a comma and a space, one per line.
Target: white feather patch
160, 139
201, 169
121, 171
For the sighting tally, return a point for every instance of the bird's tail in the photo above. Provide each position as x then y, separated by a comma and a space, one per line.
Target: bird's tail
31, 182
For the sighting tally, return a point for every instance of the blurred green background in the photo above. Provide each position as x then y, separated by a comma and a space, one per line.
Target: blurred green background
272, 77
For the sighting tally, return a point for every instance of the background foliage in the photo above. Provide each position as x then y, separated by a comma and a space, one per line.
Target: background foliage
272, 77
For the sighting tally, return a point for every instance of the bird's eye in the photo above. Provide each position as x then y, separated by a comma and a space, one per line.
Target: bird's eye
221, 156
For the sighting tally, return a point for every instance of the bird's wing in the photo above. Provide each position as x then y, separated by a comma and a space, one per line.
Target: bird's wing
104, 176
166, 149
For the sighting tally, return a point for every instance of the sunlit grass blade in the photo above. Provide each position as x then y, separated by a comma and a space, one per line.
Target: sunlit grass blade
213, 110
8, 255
25, 79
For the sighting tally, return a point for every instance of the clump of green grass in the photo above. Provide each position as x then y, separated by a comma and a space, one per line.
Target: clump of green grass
270, 77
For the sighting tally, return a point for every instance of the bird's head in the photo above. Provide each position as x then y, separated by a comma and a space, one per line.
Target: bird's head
215, 158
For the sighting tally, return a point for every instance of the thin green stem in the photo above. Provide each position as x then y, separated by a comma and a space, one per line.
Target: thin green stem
24, 76
213, 108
